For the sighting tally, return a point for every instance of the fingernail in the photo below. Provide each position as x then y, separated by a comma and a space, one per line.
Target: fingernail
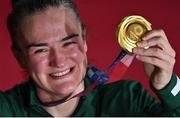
143, 38
138, 44
134, 50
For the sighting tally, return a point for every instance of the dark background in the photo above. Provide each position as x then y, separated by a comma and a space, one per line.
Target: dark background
101, 18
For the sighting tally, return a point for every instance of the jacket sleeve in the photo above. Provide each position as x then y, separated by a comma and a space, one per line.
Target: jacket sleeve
170, 96
4, 105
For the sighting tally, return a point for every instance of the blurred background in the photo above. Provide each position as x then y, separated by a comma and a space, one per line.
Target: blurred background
101, 18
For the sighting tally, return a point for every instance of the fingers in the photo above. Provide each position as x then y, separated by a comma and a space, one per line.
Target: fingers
160, 53
157, 38
155, 33
153, 52
160, 42
156, 57
155, 61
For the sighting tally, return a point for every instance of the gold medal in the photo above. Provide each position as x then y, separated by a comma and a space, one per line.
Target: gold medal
131, 30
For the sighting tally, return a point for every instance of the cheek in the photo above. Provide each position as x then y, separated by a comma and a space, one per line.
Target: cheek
37, 64
78, 54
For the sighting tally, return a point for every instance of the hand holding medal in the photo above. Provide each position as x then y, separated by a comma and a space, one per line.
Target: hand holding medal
130, 31
152, 47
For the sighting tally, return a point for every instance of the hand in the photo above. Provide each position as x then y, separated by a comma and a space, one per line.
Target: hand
159, 58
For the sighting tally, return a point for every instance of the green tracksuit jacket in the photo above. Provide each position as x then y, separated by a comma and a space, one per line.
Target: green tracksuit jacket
121, 98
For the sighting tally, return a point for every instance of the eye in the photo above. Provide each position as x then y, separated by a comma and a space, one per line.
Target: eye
69, 43
40, 51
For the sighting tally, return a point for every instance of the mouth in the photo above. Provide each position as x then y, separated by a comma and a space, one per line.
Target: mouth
61, 74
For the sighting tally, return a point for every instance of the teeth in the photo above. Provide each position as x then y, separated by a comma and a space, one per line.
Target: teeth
59, 74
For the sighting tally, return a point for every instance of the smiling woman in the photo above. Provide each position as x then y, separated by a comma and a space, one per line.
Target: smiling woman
56, 57
94, 25
49, 42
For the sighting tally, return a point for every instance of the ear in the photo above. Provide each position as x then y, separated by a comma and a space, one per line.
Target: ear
84, 36
85, 46
20, 57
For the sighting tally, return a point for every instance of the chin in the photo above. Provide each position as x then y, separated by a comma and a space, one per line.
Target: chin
66, 88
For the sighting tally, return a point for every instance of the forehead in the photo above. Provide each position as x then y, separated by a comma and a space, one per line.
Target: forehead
50, 22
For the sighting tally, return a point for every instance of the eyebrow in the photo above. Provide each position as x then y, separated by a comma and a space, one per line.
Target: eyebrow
70, 36
45, 44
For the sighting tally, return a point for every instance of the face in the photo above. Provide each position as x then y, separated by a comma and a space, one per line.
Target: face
54, 50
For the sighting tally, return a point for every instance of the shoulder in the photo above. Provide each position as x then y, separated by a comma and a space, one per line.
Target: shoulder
13, 101
17, 93
128, 85
19, 89
128, 90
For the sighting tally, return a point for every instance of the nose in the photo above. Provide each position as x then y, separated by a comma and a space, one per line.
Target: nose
57, 58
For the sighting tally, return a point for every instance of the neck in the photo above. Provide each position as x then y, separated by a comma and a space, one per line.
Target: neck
67, 108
